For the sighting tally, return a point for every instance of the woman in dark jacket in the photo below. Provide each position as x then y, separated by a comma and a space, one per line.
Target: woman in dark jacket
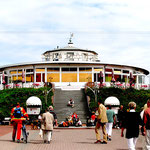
131, 122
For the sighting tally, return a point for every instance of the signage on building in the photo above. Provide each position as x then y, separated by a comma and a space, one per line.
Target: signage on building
33, 111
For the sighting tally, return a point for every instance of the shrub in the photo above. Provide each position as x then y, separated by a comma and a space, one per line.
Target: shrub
9, 98
140, 97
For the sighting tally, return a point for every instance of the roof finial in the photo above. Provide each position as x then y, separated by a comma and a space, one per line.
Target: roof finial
71, 35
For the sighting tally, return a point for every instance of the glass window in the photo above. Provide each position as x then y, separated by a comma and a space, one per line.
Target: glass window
69, 69
85, 56
69, 77
53, 77
85, 69
29, 70
19, 71
29, 78
40, 70
108, 77
85, 77
9, 79
13, 71
20, 77
108, 70
70, 56
117, 77
98, 69
14, 78
52, 69
38, 77
55, 56
125, 79
117, 70
126, 71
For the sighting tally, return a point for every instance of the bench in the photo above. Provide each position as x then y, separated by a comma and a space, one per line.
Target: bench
6, 121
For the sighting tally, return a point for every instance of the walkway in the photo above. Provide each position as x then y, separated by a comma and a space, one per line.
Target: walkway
68, 139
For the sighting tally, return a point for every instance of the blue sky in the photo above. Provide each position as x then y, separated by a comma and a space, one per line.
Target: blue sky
118, 30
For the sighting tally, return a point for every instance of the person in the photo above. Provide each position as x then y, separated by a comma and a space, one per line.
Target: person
101, 121
79, 123
64, 124
74, 118
142, 112
18, 114
70, 121
131, 122
25, 134
47, 125
93, 118
39, 125
111, 119
120, 116
51, 110
71, 103
146, 119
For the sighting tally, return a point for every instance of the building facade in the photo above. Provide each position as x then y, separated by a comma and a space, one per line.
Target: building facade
70, 66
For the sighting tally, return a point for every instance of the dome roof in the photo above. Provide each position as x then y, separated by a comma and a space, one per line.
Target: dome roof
33, 100
111, 101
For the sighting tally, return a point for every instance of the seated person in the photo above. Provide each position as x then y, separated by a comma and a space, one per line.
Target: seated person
64, 124
93, 117
78, 123
70, 121
91, 120
74, 118
71, 103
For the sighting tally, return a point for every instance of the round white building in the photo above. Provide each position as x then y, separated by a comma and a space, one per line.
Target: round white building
70, 65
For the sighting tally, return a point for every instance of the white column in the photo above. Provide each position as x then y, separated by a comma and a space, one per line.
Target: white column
41, 77
45, 74
25, 75
34, 72
1, 80
103, 74
137, 81
92, 74
60, 75
77, 74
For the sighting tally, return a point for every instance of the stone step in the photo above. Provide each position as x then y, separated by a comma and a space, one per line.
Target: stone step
61, 99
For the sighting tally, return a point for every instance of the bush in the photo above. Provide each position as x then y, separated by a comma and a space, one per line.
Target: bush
140, 97
9, 98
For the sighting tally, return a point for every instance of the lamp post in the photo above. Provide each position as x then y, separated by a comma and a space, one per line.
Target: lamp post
46, 92
3, 82
94, 91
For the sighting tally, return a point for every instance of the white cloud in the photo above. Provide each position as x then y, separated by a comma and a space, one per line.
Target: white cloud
118, 30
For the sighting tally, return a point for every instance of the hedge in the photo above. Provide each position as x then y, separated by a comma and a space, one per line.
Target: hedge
9, 98
140, 97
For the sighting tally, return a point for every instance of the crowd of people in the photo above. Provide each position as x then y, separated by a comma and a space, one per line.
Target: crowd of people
72, 120
105, 118
130, 120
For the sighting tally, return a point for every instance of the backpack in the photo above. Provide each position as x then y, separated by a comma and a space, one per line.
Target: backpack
17, 113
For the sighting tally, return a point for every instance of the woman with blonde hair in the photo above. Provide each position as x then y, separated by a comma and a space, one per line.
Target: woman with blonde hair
131, 122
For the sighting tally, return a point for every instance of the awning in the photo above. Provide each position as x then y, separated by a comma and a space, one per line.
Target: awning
112, 100
33, 100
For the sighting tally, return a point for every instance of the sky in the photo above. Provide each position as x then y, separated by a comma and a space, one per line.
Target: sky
118, 30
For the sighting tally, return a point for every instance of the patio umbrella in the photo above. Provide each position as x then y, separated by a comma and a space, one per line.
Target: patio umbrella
101, 78
4, 82
131, 79
113, 79
23, 77
131, 75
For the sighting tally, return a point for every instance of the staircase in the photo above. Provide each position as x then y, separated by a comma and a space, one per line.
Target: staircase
61, 98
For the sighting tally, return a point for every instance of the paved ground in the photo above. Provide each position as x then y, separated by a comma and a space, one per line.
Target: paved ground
68, 139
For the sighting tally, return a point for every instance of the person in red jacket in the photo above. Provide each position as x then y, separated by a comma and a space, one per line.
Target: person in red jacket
18, 114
